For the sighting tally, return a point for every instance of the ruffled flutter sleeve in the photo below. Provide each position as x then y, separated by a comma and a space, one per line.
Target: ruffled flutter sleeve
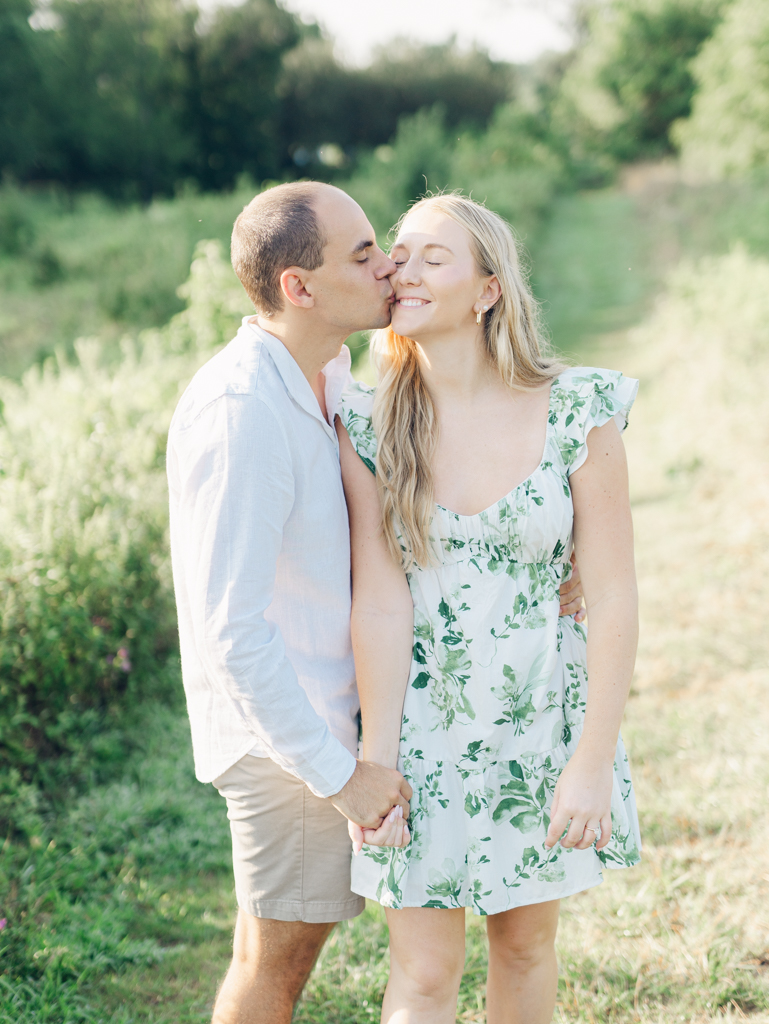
588, 397
355, 411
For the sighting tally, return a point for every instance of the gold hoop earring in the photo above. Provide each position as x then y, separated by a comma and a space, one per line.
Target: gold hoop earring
478, 317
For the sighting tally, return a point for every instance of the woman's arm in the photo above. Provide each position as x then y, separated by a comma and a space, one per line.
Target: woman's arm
382, 613
603, 541
382, 626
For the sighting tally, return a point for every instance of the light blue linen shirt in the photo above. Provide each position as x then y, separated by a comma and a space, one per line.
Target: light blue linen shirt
261, 561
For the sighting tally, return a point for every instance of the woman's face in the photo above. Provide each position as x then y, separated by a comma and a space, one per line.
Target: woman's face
436, 280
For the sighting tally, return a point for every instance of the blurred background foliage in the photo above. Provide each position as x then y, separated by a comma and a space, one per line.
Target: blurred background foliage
633, 167
136, 97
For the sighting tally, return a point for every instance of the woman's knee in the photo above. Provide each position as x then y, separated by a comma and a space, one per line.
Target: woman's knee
430, 976
523, 939
428, 962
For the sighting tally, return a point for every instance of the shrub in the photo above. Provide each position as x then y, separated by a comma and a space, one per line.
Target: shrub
85, 588
728, 131
630, 79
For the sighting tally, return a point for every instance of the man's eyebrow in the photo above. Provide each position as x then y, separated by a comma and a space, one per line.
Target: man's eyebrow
365, 244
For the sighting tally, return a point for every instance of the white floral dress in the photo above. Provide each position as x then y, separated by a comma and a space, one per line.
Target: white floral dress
496, 696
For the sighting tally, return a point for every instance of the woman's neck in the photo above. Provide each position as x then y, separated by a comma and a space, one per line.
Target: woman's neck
456, 367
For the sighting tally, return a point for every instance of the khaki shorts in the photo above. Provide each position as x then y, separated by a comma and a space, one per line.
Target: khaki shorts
290, 849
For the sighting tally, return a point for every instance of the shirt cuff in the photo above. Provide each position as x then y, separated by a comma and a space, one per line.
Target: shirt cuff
331, 770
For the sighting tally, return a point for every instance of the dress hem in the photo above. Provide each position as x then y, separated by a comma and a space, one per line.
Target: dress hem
490, 913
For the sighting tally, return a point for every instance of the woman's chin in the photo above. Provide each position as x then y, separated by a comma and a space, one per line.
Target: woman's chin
404, 324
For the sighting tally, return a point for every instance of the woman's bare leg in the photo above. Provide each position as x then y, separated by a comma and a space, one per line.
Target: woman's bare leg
427, 957
523, 971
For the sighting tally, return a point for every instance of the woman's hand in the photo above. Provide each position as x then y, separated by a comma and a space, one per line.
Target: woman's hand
392, 832
583, 797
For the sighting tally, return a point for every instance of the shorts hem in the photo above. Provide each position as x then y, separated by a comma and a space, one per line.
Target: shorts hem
309, 913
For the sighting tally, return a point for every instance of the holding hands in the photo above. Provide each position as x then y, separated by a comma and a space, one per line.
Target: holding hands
393, 831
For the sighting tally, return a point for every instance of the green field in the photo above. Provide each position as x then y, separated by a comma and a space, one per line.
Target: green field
119, 897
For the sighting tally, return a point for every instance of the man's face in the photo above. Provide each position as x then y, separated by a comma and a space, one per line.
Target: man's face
351, 289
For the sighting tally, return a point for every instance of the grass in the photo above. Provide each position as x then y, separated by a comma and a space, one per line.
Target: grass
125, 890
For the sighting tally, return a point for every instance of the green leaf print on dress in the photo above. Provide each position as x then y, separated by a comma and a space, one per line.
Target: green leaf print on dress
451, 664
526, 792
516, 697
498, 685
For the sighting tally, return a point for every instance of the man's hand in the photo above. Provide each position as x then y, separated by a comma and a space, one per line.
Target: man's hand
394, 831
571, 594
371, 793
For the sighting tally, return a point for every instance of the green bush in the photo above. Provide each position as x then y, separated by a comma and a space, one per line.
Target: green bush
85, 588
629, 80
728, 131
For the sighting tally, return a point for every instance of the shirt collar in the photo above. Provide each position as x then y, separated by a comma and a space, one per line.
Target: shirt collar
336, 374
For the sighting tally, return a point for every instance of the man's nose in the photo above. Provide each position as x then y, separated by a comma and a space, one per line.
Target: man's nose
386, 268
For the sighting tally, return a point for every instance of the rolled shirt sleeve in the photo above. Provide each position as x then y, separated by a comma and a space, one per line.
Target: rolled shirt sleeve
234, 471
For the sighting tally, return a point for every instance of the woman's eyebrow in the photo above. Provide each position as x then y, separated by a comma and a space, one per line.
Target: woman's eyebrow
429, 245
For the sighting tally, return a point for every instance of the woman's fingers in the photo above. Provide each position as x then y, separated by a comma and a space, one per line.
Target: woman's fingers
389, 833
356, 834
575, 832
590, 833
558, 822
605, 831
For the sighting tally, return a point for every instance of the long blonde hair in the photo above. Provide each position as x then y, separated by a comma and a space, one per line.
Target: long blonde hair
404, 415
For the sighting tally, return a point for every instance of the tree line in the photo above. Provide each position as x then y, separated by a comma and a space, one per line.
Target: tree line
134, 97
137, 95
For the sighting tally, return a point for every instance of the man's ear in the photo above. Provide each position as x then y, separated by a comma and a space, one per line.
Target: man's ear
293, 284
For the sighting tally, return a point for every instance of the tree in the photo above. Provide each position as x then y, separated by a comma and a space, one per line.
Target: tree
111, 82
324, 101
631, 78
728, 131
25, 121
233, 105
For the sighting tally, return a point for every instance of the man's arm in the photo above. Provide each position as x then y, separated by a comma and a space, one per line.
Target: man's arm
571, 594
237, 491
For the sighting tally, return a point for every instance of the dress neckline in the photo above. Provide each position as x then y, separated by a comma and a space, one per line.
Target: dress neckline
528, 479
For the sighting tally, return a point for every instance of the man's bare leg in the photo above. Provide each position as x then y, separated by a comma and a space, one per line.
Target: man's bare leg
271, 962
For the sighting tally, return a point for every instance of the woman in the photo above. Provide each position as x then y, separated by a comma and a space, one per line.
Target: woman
521, 785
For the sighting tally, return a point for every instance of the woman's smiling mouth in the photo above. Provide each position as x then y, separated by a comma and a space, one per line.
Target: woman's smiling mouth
412, 303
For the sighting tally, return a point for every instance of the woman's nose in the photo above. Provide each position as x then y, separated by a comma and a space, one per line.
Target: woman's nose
409, 272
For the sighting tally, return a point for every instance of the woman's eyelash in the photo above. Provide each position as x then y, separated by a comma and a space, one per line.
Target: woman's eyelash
430, 263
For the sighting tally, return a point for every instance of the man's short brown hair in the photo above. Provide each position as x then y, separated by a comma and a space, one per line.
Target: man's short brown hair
279, 228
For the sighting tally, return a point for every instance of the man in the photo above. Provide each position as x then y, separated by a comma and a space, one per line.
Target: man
260, 548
